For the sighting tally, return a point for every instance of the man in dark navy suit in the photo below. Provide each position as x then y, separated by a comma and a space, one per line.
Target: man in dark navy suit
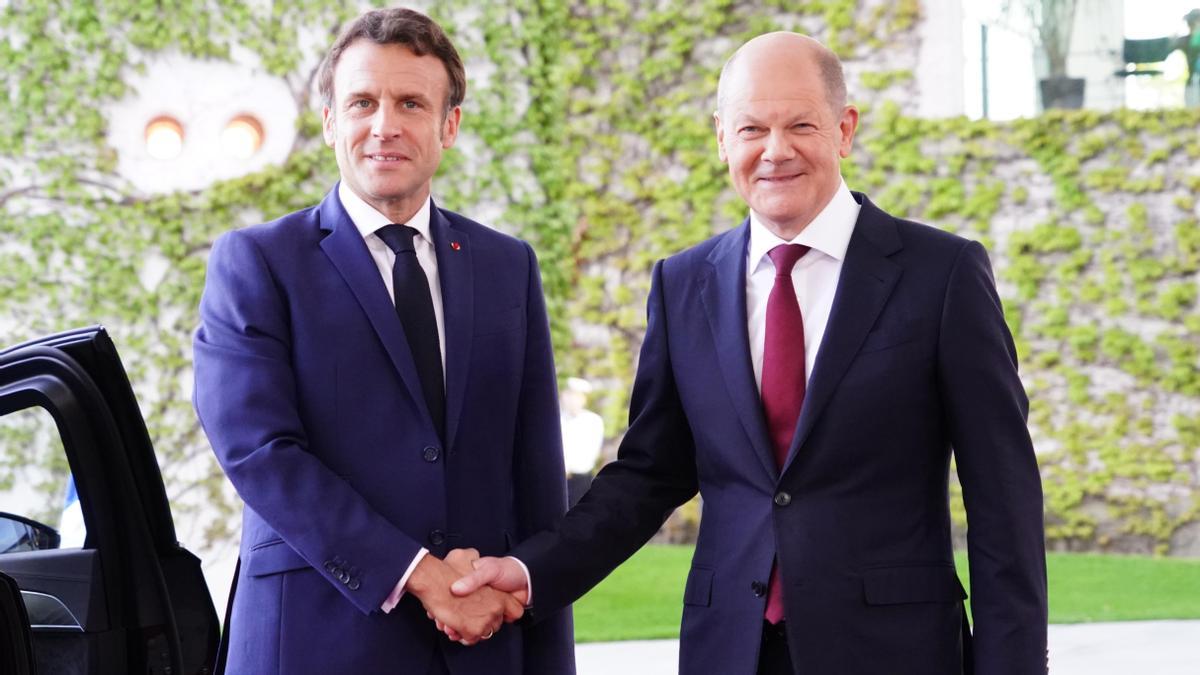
376, 378
810, 373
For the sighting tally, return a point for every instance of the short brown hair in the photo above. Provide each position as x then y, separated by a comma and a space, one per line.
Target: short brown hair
403, 27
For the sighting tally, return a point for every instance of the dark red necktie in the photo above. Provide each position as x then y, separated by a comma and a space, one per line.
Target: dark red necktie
782, 379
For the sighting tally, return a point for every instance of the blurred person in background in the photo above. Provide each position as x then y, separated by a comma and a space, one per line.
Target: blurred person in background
583, 436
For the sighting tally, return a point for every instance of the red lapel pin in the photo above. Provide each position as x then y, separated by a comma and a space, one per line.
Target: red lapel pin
455, 245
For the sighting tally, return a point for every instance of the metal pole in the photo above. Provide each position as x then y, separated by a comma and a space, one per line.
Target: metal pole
983, 60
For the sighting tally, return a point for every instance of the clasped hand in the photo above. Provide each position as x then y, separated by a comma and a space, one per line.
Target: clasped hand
468, 597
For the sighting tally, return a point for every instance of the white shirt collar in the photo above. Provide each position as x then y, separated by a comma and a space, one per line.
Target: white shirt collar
367, 219
828, 233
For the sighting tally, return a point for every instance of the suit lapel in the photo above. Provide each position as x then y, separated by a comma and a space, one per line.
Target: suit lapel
453, 249
348, 252
723, 292
866, 283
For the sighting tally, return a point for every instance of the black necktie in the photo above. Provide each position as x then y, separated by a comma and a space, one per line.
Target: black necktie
414, 306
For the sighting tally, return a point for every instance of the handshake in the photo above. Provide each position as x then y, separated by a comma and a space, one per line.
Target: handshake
467, 596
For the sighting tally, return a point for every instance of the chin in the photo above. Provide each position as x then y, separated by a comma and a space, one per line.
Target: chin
780, 213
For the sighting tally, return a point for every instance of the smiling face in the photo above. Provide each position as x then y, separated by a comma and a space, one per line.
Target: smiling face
778, 132
388, 125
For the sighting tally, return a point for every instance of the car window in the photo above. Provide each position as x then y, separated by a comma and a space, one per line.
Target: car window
36, 483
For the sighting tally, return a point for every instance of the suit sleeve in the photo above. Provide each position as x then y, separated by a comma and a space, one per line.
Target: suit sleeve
655, 472
985, 411
245, 397
539, 475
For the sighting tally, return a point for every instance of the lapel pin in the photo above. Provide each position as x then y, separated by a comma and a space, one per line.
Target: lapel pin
455, 245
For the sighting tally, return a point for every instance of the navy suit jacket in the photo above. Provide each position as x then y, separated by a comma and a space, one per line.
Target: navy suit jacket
307, 390
916, 360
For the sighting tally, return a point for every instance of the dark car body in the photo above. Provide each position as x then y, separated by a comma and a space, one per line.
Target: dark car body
132, 599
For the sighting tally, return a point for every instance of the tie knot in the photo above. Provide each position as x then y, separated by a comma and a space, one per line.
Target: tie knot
785, 256
399, 238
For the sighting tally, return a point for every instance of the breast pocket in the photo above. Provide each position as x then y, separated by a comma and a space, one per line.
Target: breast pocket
490, 323
889, 337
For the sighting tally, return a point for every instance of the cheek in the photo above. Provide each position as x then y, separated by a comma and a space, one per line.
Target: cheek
739, 160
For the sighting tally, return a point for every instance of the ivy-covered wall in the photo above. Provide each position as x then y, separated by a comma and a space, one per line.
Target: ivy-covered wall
589, 132
1092, 224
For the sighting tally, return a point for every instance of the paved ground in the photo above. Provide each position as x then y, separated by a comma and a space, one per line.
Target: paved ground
1127, 648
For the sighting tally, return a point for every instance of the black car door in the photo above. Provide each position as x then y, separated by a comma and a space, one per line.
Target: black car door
131, 599
16, 648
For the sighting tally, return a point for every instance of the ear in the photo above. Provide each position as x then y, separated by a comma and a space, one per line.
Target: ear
450, 127
327, 126
721, 154
848, 125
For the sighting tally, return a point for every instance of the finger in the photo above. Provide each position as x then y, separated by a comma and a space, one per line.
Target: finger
475, 580
463, 554
461, 560
513, 609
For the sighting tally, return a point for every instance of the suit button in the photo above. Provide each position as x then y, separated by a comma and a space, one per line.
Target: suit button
343, 577
329, 566
782, 499
758, 588
431, 454
437, 537
353, 585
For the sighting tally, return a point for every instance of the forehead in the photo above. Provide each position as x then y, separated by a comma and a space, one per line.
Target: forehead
777, 84
367, 66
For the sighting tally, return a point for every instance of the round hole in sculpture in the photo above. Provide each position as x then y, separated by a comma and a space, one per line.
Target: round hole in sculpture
242, 137
164, 138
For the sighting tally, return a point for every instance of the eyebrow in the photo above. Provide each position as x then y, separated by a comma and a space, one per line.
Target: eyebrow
744, 118
361, 94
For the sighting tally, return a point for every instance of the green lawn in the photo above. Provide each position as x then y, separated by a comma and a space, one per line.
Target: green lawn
643, 598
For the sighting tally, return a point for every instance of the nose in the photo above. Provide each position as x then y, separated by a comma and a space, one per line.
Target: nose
386, 123
777, 149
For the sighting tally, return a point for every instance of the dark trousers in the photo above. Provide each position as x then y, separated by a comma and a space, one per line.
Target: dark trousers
773, 656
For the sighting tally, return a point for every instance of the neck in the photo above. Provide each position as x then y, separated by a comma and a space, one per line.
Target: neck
791, 229
399, 209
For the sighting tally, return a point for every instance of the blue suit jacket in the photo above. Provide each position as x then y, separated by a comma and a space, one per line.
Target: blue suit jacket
916, 359
307, 390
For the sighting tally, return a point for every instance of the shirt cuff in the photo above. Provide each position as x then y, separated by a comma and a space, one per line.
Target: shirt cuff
393, 598
528, 581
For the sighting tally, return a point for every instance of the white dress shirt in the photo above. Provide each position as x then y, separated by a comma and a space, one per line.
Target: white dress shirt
815, 276
368, 220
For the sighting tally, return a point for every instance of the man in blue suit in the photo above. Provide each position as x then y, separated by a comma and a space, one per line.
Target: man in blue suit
809, 373
376, 378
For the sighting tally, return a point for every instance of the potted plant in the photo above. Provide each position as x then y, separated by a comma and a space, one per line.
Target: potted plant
1052, 22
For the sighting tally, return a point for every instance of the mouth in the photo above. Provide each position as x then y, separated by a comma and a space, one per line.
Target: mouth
778, 180
386, 157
